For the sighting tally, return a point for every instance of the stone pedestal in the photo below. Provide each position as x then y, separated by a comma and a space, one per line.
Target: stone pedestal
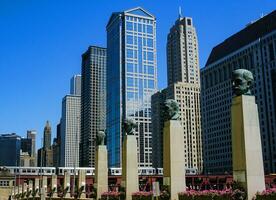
173, 158
36, 187
246, 145
81, 183
43, 190
66, 185
101, 170
54, 186
130, 179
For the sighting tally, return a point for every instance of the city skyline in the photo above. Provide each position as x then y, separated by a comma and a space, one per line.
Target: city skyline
55, 88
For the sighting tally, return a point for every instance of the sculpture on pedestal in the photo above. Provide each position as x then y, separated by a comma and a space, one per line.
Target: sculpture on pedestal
171, 111
242, 82
100, 137
129, 126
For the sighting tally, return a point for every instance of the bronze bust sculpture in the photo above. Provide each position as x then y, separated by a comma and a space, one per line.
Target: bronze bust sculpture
100, 137
242, 82
129, 126
171, 111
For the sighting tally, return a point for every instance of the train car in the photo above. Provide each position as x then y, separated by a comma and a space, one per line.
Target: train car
34, 171
88, 170
115, 171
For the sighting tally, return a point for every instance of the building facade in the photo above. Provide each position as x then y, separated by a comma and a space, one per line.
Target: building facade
47, 136
75, 85
184, 87
252, 48
131, 80
31, 134
93, 102
70, 131
10, 145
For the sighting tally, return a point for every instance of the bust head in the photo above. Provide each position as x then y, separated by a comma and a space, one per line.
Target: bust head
242, 82
171, 109
129, 126
100, 137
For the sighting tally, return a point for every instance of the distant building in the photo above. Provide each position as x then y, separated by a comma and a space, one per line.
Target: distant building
31, 134
26, 145
131, 80
252, 48
75, 85
45, 157
45, 154
56, 148
10, 145
47, 136
184, 87
26, 160
70, 131
93, 102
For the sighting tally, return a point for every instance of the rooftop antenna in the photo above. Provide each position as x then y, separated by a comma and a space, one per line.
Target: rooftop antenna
262, 15
179, 12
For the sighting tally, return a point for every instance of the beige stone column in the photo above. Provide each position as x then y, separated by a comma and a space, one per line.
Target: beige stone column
81, 183
130, 166
101, 170
173, 158
30, 188
44, 188
36, 187
66, 184
54, 186
246, 145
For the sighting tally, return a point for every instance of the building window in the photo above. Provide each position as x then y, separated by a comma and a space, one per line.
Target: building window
129, 39
129, 26
149, 29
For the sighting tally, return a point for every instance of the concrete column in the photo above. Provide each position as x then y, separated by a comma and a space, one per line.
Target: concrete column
130, 166
36, 187
43, 188
54, 186
66, 185
30, 188
101, 170
173, 158
246, 145
81, 183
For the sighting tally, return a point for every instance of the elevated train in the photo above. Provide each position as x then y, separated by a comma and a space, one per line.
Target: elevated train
90, 171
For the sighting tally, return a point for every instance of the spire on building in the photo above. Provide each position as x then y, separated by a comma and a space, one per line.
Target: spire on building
179, 12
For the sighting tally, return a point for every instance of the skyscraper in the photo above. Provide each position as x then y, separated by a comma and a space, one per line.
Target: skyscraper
93, 97
131, 80
252, 48
184, 87
10, 145
75, 85
45, 153
70, 130
47, 136
31, 134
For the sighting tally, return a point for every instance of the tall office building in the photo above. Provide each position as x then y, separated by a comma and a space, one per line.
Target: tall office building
47, 136
45, 153
184, 87
26, 145
31, 134
252, 48
75, 85
70, 125
93, 97
70, 131
56, 147
10, 145
131, 80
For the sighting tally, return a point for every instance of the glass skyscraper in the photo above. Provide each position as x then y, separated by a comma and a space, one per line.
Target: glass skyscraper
131, 80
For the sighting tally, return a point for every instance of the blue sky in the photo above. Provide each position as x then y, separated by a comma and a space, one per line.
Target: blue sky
41, 43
